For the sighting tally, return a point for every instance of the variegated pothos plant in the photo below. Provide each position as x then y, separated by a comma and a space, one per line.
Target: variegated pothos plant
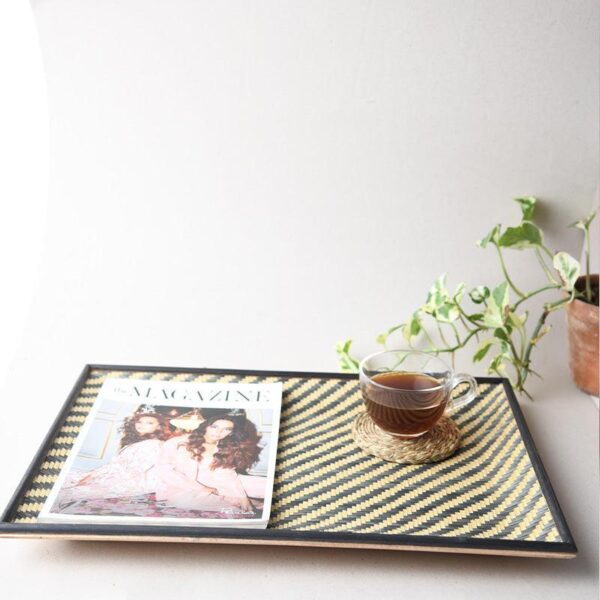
497, 318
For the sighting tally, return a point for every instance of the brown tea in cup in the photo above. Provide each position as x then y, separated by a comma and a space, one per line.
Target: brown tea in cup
406, 392
406, 404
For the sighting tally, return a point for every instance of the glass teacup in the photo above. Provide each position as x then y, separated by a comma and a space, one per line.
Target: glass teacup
406, 392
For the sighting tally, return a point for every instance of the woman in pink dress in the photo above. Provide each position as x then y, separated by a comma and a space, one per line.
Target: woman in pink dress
200, 470
132, 471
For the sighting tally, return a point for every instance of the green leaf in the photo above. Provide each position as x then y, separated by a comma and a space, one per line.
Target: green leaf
381, 338
413, 327
546, 329
578, 224
501, 334
526, 235
491, 237
497, 366
439, 303
497, 308
568, 268
343, 346
437, 295
479, 294
346, 361
500, 296
518, 322
440, 283
447, 313
348, 366
459, 292
482, 349
586, 222
527, 206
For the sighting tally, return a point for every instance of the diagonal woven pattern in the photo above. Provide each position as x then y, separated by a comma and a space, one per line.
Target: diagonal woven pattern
324, 482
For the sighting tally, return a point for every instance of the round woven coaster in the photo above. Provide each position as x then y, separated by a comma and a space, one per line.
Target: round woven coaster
433, 446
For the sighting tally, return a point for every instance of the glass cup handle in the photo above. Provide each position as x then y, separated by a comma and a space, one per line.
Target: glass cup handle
468, 396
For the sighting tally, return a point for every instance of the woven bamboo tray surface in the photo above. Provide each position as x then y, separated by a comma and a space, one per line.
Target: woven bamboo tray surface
324, 483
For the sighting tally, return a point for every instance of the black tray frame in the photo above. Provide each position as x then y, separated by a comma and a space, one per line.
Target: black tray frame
563, 549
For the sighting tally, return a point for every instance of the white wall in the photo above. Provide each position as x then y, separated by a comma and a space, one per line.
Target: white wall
244, 183
23, 171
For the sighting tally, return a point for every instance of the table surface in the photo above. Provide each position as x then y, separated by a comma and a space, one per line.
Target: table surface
564, 424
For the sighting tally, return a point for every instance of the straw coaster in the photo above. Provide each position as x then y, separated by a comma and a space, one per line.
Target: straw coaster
433, 446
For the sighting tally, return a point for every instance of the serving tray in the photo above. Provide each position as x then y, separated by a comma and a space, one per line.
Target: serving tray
492, 497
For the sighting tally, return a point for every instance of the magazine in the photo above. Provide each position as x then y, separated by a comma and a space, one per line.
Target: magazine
172, 453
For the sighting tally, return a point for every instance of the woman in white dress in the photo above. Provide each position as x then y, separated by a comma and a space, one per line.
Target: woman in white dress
132, 471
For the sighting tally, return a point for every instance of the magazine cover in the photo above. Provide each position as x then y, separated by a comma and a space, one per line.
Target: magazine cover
172, 453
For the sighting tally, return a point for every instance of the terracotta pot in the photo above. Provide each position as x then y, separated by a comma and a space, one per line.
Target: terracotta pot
582, 326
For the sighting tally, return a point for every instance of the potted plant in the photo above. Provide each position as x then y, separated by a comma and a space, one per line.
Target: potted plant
582, 322
501, 320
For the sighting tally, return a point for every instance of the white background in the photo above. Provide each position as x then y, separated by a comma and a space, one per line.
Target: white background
242, 184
